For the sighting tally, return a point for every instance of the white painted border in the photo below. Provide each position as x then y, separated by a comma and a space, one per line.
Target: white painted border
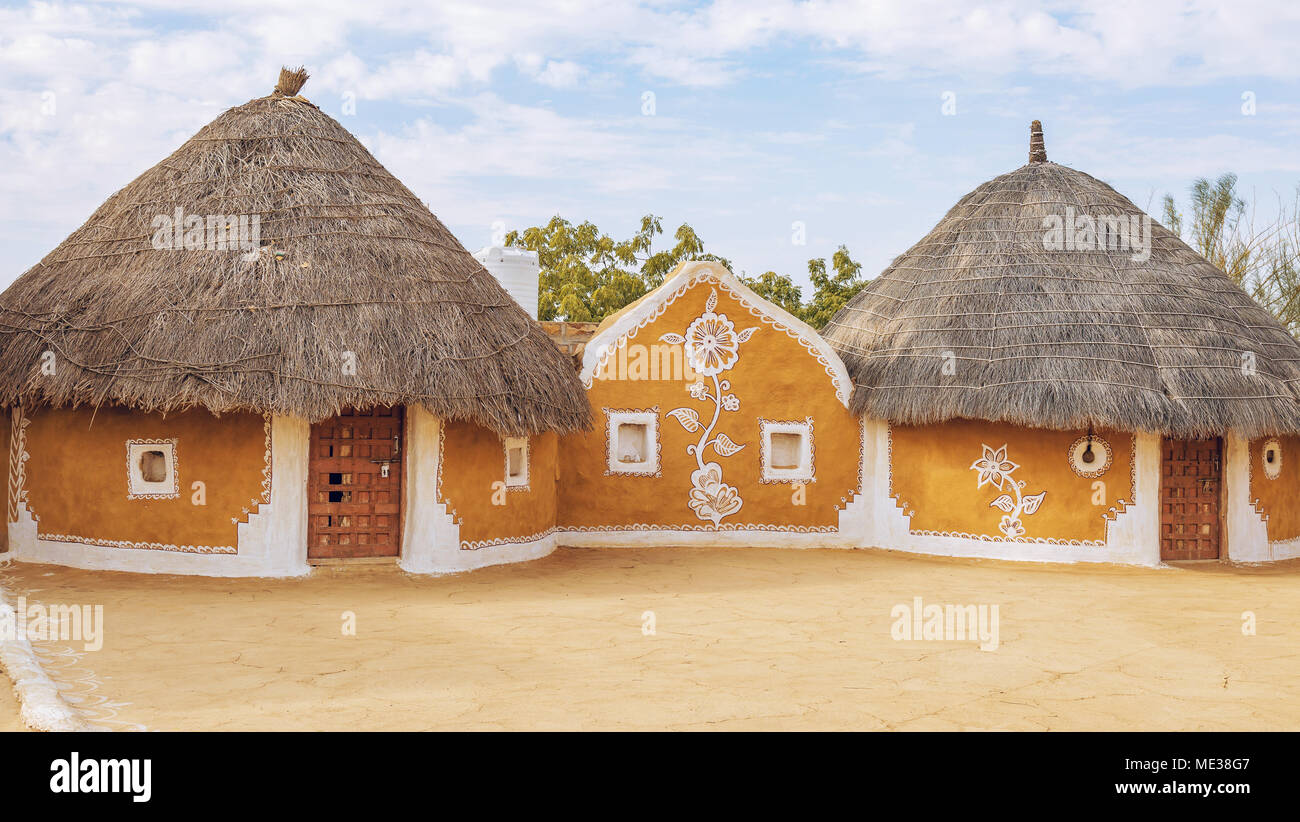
687, 274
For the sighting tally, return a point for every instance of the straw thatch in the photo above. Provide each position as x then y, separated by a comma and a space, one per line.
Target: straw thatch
353, 268
1063, 338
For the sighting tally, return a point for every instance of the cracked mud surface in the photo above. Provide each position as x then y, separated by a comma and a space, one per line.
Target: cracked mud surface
745, 639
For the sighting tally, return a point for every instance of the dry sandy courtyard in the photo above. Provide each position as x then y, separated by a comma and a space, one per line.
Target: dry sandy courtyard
744, 639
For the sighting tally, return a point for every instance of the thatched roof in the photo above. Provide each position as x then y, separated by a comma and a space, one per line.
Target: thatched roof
352, 268
1063, 338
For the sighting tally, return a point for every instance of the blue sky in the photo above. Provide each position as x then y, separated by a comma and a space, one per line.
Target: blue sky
766, 113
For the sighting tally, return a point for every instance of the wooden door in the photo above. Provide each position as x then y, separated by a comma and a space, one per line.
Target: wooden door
1191, 487
354, 485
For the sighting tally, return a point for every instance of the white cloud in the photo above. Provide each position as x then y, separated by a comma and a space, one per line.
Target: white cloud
133, 79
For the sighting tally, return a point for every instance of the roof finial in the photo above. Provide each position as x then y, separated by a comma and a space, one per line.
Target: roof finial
291, 82
1037, 151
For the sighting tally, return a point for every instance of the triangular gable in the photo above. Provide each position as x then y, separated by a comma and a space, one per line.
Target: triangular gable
627, 324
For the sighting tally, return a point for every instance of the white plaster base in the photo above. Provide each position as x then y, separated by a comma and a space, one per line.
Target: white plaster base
1246, 539
430, 537
1133, 538
272, 543
1284, 549
668, 537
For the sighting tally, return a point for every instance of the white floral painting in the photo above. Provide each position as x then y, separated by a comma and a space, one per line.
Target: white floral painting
996, 469
712, 347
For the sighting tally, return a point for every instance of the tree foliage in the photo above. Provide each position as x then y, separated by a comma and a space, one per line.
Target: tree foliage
832, 287
586, 275
778, 289
1264, 261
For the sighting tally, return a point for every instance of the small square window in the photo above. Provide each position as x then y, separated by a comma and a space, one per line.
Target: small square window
151, 469
1273, 459
153, 466
787, 451
633, 442
516, 462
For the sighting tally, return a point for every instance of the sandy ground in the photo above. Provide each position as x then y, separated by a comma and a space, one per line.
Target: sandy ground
9, 716
743, 639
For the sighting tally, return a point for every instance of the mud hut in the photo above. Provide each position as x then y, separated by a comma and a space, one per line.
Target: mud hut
1050, 374
266, 352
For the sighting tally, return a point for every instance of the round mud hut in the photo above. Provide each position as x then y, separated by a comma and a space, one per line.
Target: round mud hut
1051, 375
265, 353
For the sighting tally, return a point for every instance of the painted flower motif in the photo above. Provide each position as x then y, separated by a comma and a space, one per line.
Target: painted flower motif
730, 402
712, 345
994, 467
698, 390
1011, 527
711, 498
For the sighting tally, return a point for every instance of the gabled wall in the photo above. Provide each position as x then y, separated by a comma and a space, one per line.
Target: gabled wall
708, 485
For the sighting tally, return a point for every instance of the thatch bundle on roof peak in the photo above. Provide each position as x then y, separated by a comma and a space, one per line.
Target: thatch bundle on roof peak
271, 264
991, 316
291, 82
1037, 149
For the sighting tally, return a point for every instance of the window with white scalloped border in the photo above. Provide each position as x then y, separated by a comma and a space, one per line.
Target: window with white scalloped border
151, 471
1272, 456
516, 462
632, 442
787, 451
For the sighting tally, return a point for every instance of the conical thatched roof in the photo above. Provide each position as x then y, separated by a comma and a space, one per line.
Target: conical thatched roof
1063, 338
359, 296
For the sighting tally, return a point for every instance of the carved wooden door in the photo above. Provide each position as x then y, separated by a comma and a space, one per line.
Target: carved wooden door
1191, 486
354, 485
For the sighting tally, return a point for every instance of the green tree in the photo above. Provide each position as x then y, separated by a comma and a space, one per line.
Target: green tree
832, 287
1172, 219
1265, 262
1217, 228
586, 275
778, 289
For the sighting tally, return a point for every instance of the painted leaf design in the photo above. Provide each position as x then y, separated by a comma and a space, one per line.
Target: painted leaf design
1031, 504
713, 300
724, 446
687, 417
1004, 502
672, 338
747, 333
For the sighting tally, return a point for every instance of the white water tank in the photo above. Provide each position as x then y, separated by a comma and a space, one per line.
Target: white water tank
517, 270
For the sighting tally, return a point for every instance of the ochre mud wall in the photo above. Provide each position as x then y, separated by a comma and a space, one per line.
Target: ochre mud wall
77, 487
771, 376
471, 481
932, 478
1277, 499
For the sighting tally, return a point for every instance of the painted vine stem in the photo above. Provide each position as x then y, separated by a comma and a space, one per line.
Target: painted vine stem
712, 346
